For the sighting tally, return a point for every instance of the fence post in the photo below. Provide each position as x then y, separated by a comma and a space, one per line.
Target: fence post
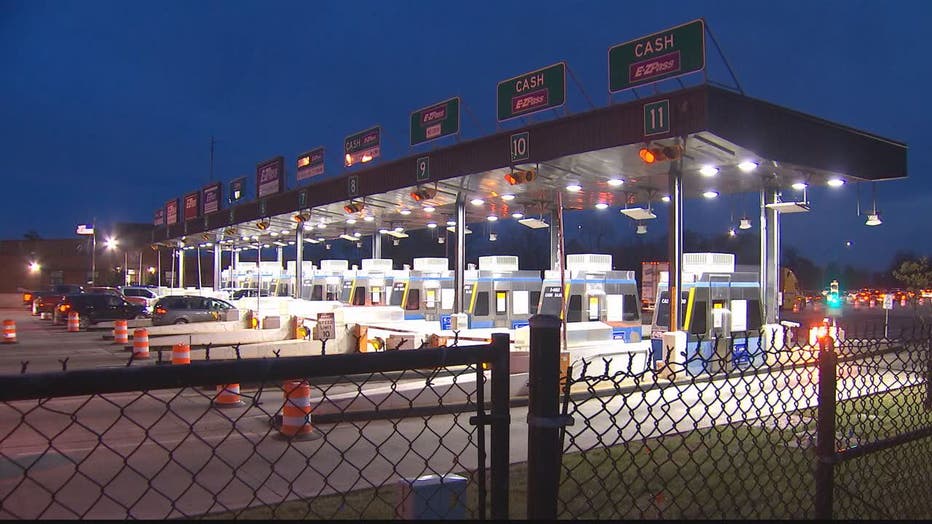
825, 430
501, 419
543, 420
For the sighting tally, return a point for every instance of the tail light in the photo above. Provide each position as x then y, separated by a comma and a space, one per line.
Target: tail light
64, 307
27, 297
160, 310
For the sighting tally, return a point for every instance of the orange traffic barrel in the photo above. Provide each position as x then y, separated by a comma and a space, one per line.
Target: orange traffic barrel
296, 413
120, 332
228, 396
141, 343
181, 354
9, 332
74, 322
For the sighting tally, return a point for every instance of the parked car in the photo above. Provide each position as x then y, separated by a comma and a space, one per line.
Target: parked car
46, 301
182, 309
147, 294
99, 307
116, 292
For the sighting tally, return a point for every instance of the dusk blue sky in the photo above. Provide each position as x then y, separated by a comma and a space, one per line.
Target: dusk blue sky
107, 108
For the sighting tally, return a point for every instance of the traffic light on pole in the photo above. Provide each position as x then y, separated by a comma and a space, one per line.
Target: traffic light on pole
654, 154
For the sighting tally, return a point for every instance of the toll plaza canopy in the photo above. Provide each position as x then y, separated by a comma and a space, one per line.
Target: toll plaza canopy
597, 150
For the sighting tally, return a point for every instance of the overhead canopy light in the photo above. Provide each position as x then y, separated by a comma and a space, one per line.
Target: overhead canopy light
836, 182
466, 231
789, 207
396, 234
708, 171
873, 219
747, 166
345, 236
615, 182
533, 223
638, 213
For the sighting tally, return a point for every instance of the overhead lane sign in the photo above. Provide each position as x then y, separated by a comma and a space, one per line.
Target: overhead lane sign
270, 177
362, 147
85, 229
311, 164
436, 121
667, 54
532, 92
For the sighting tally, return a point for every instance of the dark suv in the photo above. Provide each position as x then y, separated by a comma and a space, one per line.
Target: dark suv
100, 307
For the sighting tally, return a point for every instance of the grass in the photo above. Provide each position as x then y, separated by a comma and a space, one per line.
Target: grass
760, 469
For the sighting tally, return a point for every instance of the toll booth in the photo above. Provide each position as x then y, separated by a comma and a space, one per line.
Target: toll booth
398, 293
326, 282
722, 315
498, 294
307, 275
596, 293
429, 291
370, 285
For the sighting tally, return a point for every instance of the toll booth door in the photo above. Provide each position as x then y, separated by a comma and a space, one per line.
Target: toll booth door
719, 300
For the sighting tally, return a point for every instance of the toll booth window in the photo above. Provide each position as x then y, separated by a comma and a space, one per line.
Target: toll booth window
414, 300
376, 293
663, 308
398, 291
359, 296
535, 300
501, 302
754, 315
698, 324
431, 297
552, 303
574, 309
593, 309
482, 304
317, 292
630, 308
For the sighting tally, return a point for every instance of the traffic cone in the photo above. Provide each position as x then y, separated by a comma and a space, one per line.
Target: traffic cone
9, 332
74, 322
141, 343
228, 396
120, 332
181, 354
296, 412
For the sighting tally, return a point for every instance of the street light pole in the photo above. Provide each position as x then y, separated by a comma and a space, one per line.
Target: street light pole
93, 253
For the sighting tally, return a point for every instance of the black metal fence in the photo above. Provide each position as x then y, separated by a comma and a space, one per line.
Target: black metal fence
160, 442
759, 426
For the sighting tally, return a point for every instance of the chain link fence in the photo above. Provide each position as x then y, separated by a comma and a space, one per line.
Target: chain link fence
729, 428
300, 438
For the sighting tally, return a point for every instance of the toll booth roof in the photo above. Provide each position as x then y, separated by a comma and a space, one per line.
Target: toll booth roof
592, 150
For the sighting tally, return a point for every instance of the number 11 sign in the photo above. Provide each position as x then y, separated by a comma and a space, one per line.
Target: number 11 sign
657, 118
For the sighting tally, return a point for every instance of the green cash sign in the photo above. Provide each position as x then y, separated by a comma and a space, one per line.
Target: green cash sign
532, 92
667, 54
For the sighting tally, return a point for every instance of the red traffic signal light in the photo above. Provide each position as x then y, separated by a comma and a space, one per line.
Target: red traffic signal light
655, 154
519, 176
423, 194
354, 207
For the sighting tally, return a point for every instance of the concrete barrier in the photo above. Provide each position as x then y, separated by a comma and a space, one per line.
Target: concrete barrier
227, 337
11, 300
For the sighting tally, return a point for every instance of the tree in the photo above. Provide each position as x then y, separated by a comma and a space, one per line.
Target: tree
914, 274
